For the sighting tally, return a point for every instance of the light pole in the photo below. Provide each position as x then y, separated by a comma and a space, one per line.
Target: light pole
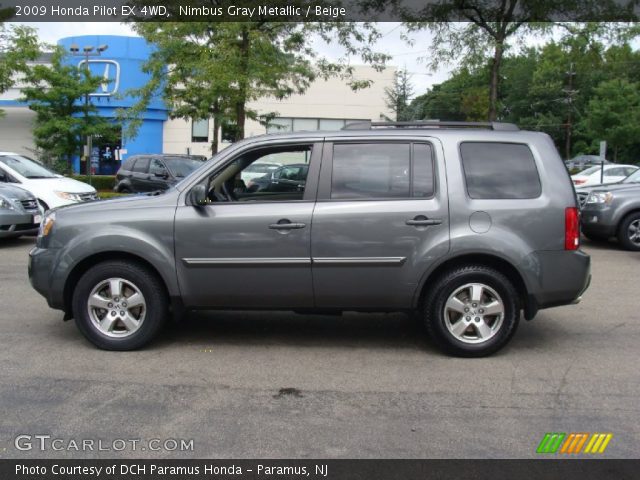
87, 51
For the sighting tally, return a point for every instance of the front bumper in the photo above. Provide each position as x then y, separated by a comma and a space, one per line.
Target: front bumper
16, 224
597, 221
40, 269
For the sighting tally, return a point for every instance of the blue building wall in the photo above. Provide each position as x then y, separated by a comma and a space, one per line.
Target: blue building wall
122, 65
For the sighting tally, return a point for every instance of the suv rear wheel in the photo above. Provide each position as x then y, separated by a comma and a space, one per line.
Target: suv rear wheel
119, 305
629, 232
472, 311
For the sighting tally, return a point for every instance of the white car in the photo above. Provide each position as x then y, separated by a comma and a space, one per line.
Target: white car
50, 189
258, 170
612, 173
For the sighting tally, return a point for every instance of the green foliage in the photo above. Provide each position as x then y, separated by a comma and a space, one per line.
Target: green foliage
18, 45
56, 93
563, 88
216, 69
398, 98
99, 182
613, 114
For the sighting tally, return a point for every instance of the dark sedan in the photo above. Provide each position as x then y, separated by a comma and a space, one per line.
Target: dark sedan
288, 178
148, 173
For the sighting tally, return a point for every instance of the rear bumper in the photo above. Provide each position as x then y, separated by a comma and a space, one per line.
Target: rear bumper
561, 278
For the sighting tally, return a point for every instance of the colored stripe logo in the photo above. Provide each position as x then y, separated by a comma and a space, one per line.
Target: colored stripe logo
574, 443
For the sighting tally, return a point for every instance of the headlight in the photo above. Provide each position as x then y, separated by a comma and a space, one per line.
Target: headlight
74, 197
6, 204
600, 198
47, 224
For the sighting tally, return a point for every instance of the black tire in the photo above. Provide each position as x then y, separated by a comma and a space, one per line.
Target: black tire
624, 236
152, 289
124, 189
446, 285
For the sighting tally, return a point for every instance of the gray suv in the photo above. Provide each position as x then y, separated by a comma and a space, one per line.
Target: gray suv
614, 211
469, 225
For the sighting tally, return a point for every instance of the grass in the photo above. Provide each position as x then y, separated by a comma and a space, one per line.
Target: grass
104, 194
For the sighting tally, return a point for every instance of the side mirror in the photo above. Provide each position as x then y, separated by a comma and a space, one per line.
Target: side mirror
162, 174
198, 195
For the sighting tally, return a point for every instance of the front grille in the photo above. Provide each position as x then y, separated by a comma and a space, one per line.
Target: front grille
582, 198
29, 204
86, 197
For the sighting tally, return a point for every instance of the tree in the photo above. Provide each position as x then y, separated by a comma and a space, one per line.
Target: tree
56, 94
474, 31
613, 114
398, 98
216, 69
18, 45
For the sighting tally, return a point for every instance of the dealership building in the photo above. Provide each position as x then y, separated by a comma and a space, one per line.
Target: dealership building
326, 105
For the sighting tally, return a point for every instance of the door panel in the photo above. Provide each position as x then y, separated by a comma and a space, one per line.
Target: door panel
252, 251
235, 255
372, 253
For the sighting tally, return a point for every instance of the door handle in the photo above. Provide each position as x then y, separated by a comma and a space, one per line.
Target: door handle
286, 225
422, 221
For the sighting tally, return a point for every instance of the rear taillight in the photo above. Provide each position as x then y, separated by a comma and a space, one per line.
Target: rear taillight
579, 182
571, 228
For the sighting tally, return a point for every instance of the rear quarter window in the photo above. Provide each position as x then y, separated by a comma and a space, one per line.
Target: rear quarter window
495, 170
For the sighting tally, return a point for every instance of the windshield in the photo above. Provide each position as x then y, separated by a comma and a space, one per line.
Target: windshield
181, 167
633, 178
26, 167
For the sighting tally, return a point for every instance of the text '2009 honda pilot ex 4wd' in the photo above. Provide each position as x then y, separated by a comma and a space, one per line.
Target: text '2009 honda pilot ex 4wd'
471, 225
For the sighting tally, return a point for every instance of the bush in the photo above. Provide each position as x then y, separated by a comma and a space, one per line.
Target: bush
99, 182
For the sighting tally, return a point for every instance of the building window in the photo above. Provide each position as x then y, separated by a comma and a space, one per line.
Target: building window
200, 131
280, 125
285, 124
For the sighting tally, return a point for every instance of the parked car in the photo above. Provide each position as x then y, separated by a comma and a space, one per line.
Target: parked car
19, 212
148, 173
612, 173
468, 225
257, 170
583, 192
288, 178
584, 161
51, 190
614, 211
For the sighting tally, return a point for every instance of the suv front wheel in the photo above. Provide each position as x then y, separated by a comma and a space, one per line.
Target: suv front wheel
472, 311
119, 305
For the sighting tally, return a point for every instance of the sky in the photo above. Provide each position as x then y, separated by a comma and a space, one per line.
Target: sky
403, 55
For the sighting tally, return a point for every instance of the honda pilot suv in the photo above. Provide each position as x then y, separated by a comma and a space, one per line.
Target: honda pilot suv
471, 226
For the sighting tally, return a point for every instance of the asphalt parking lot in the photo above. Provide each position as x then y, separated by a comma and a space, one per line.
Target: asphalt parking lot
360, 386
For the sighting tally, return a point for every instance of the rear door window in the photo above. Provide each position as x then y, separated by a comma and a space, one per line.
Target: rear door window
141, 165
382, 170
495, 170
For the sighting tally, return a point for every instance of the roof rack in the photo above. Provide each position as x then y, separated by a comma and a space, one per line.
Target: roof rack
431, 124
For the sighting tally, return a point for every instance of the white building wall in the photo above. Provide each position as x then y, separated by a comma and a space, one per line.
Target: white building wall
328, 99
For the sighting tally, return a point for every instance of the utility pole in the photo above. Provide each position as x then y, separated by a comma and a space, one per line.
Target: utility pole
570, 93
